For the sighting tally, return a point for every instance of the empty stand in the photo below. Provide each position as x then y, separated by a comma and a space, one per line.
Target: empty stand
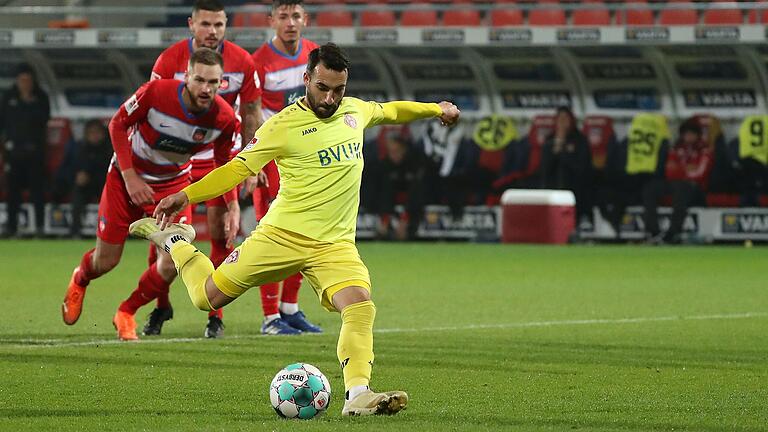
723, 17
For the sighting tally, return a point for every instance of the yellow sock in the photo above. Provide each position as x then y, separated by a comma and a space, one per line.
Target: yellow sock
194, 268
355, 348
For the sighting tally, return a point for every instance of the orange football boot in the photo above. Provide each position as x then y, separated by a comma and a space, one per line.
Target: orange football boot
125, 325
73, 300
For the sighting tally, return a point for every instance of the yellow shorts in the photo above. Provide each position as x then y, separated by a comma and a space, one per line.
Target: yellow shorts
272, 254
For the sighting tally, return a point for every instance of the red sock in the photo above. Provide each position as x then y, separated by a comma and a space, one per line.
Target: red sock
152, 257
219, 251
217, 313
163, 302
291, 287
86, 273
270, 293
151, 284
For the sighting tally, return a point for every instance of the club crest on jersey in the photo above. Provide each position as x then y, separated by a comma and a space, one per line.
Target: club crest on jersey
199, 135
251, 144
233, 257
350, 121
224, 83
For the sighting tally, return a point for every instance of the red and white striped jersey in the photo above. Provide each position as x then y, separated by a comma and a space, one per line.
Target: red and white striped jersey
154, 134
240, 77
281, 75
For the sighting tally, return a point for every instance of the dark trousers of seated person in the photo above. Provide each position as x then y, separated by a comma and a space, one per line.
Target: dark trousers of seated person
393, 186
754, 179
621, 192
26, 171
81, 196
684, 195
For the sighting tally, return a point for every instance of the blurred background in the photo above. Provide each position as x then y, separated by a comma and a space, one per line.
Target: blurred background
555, 96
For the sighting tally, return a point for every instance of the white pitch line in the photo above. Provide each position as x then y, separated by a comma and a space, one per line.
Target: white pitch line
62, 343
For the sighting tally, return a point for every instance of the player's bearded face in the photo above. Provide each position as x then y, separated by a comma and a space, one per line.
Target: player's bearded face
202, 83
208, 28
288, 21
325, 90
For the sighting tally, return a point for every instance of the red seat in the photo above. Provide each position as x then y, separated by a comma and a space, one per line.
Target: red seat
335, 18
250, 19
546, 17
506, 17
542, 126
679, 16
599, 132
723, 17
377, 18
635, 17
58, 135
758, 16
591, 17
419, 18
461, 17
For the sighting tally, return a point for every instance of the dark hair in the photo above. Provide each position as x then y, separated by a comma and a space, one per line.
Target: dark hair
567, 111
208, 5
690, 125
330, 55
206, 56
278, 3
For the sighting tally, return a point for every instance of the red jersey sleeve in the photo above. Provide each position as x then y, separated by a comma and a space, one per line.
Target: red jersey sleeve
162, 67
251, 89
130, 113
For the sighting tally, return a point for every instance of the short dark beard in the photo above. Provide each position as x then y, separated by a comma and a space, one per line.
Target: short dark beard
313, 106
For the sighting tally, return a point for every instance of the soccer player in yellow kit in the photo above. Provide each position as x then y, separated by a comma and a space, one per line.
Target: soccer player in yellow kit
317, 143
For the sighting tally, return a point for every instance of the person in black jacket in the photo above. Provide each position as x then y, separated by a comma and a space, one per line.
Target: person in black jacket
91, 163
24, 114
566, 163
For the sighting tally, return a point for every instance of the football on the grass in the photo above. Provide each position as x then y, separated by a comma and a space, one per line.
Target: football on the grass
300, 391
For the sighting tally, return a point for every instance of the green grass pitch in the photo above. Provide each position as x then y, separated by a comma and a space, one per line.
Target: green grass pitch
483, 337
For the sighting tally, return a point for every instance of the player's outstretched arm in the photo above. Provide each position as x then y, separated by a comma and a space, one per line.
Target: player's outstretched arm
398, 112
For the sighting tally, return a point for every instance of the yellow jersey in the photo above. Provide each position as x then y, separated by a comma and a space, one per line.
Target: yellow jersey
320, 163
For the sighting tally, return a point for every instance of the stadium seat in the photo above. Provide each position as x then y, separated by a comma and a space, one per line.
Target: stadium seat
599, 132
591, 17
421, 16
723, 17
542, 126
507, 17
679, 16
635, 17
250, 19
756, 16
58, 135
336, 17
377, 18
461, 17
546, 17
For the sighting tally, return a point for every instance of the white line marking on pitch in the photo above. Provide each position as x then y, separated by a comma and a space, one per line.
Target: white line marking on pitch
62, 343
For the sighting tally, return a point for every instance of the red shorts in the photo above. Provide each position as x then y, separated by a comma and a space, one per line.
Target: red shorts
263, 196
116, 211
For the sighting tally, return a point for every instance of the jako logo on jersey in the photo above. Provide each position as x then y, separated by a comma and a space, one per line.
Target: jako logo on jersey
340, 153
350, 121
308, 131
199, 135
224, 83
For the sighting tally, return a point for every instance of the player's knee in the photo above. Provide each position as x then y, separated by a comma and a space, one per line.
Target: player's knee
198, 295
349, 296
165, 267
105, 263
